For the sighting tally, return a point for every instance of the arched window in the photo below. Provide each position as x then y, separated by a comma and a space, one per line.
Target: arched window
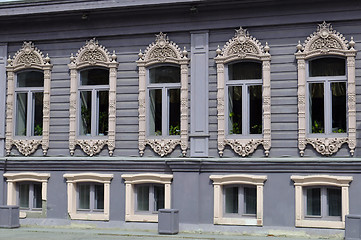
28, 100
163, 97
326, 92
243, 97
92, 99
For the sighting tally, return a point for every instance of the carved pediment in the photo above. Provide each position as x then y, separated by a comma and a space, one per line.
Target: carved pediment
243, 147
27, 56
163, 146
27, 146
92, 147
327, 146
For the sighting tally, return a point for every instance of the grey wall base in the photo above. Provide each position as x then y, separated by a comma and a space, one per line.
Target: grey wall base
353, 227
9, 216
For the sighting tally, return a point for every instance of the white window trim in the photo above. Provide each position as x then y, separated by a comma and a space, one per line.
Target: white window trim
27, 58
13, 178
72, 180
310, 49
237, 179
320, 180
163, 51
92, 55
131, 180
247, 48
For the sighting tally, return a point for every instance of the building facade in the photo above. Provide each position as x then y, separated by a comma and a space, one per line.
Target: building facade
244, 115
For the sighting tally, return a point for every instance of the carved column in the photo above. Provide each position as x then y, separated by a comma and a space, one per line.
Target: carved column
9, 110
301, 104
142, 108
220, 108
266, 72
351, 89
72, 108
112, 107
184, 107
46, 109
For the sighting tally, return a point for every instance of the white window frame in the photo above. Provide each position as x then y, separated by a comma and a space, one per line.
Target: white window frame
241, 206
326, 42
92, 199
150, 198
72, 181
243, 47
31, 196
162, 52
131, 180
219, 181
27, 58
91, 55
302, 182
13, 179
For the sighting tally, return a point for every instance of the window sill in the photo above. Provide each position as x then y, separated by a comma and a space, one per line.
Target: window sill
142, 218
242, 221
320, 224
89, 216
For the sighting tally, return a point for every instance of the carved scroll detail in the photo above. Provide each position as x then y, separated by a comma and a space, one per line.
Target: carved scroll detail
243, 147
27, 147
163, 146
91, 147
327, 146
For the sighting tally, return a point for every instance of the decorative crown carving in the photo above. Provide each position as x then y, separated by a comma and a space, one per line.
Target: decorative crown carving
27, 56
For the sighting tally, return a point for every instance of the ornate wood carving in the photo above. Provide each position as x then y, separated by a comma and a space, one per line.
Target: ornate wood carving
326, 41
91, 55
243, 46
28, 57
163, 51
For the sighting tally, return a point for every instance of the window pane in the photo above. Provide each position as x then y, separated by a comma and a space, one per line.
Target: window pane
103, 98
245, 70
84, 196
38, 113
165, 74
158, 197
99, 196
334, 201
235, 109
85, 121
231, 196
174, 112
317, 107
24, 195
143, 198
338, 107
314, 202
94, 77
255, 109
155, 120
21, 113
327, 67
37, 201
250, 200
30, 79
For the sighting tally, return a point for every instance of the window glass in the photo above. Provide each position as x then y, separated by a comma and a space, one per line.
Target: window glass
164, 74
231, 199
95, 76
38, 113
235, 109
174, 112
84, 196
338, 107
250, 200
334, 201
30, 79
99, 196
316, 104
155, 125
86, 112
158, 197
327, 66
37, 200
255, 108
21, 113
24, 195
314, 202
143, 198
103, 101
244, 70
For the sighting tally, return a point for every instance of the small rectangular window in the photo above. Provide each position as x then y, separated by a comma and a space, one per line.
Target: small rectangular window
84, 196
149, 197
155, 127
338, 107
334, 201
30, 195
314, 202
231, 197
250, 200
245, 71
164, 74
235, 109
316, 104
327, 66
174, 111
24, 195
21, 114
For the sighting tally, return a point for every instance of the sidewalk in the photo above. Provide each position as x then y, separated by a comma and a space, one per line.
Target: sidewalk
51, 233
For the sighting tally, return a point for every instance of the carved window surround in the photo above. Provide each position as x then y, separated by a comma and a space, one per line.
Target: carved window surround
13, 178
243, 47
72, 180
219, 181
92, 55
131, 180
326, 42
320, 180
28, 57
163, 51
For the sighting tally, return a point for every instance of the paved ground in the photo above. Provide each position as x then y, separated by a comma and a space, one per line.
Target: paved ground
51, 233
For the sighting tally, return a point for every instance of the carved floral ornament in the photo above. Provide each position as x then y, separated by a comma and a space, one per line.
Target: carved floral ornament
28, 57
92, 55
163, 51
243, 47
326, 41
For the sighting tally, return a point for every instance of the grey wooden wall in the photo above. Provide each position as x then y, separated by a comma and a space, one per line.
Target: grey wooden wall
281, 24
